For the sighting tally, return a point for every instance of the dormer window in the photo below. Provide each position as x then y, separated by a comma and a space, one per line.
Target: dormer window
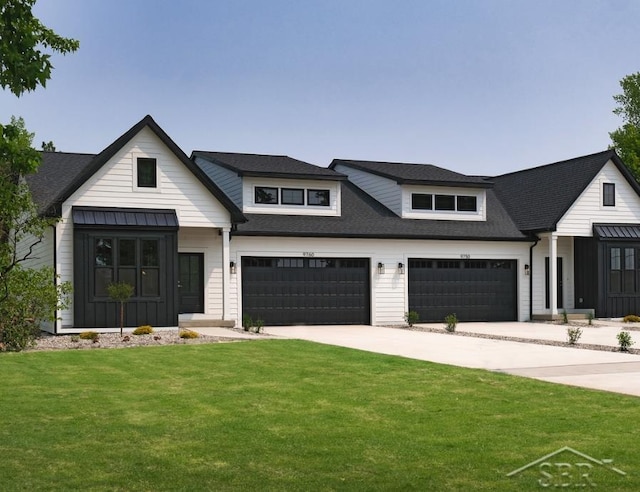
318, 198
292, 196
466, 203
266, 195
147, 174
445, 203
420, 201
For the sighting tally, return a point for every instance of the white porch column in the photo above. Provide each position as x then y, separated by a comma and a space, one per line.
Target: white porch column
553, 274
226, 272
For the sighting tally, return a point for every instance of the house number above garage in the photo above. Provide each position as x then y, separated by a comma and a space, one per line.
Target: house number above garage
308, 254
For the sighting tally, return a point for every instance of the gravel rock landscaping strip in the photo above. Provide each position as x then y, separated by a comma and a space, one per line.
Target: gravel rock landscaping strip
115, 340
555, 343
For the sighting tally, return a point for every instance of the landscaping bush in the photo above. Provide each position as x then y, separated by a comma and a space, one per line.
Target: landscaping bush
573, 335
143, 330
565, 317
188, 334
451, 321
590, 317
259, 323
631, 318
247, 322
412, 317
89, 335
625, 341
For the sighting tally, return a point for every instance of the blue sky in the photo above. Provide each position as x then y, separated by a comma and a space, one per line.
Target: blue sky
479, 87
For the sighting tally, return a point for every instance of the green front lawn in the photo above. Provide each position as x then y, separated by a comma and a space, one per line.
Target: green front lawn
291, 415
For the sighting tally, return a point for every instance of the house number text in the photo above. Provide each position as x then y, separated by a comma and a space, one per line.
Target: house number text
308, 254
465, 257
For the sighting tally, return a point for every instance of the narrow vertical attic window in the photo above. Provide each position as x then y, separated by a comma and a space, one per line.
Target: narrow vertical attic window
609, 194
146, 172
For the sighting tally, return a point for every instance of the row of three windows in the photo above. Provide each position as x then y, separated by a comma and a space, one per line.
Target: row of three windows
291, 196
460, 203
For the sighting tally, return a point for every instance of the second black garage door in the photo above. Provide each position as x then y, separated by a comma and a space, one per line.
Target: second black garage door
475, 290
314, 291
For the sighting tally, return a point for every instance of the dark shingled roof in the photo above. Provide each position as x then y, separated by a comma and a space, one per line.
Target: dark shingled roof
61, 174
362, 216
270, 166
424, 174
57, 172
538, 198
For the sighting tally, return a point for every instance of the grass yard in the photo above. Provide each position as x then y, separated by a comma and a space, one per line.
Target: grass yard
292, 415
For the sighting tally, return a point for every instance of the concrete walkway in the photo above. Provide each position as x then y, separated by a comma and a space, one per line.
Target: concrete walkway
609, 371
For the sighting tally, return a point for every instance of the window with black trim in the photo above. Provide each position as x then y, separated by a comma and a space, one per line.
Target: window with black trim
292, 196
445, 202
421, 201
147, 174
609, 194
318, 198
466, 203
266, 195
615, 270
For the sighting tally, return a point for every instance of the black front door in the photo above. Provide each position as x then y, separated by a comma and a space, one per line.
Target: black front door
191, 283
560, 300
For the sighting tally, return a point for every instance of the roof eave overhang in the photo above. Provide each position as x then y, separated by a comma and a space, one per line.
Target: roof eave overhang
451, 184
378, 237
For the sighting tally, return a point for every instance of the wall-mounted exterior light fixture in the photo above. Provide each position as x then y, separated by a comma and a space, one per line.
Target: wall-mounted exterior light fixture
380, 268
232, 267
401, 268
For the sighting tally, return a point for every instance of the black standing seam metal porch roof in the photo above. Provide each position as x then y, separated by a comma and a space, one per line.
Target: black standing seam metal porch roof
102, 217
617, 231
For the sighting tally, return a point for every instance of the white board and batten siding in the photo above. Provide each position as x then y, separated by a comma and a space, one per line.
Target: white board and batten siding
588, 208
114, 185
226, 179
389, 291
385, 190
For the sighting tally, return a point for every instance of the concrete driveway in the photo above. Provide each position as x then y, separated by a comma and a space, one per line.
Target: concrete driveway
609, 371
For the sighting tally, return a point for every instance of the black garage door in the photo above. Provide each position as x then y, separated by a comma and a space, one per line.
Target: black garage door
475, 290
314, 291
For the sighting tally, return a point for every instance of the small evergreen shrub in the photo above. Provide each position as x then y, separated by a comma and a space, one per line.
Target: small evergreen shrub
188, 334
247, 322
89, 335
565, 317
75, 338
143, 330
259, 323
573, 335
412, 317
451, 321
631, 318
590, 317
624, 340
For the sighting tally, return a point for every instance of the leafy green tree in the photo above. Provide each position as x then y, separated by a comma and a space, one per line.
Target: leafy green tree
27, 297
48, 146
626, 139
26, 46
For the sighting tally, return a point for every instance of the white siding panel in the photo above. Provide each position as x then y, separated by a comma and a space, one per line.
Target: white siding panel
389, 295
588, 209
228, 181
41, 252
385, 190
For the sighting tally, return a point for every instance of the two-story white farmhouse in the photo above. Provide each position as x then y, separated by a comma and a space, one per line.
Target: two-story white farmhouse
221, 235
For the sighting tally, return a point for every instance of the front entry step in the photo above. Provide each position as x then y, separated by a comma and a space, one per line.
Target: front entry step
206, 323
